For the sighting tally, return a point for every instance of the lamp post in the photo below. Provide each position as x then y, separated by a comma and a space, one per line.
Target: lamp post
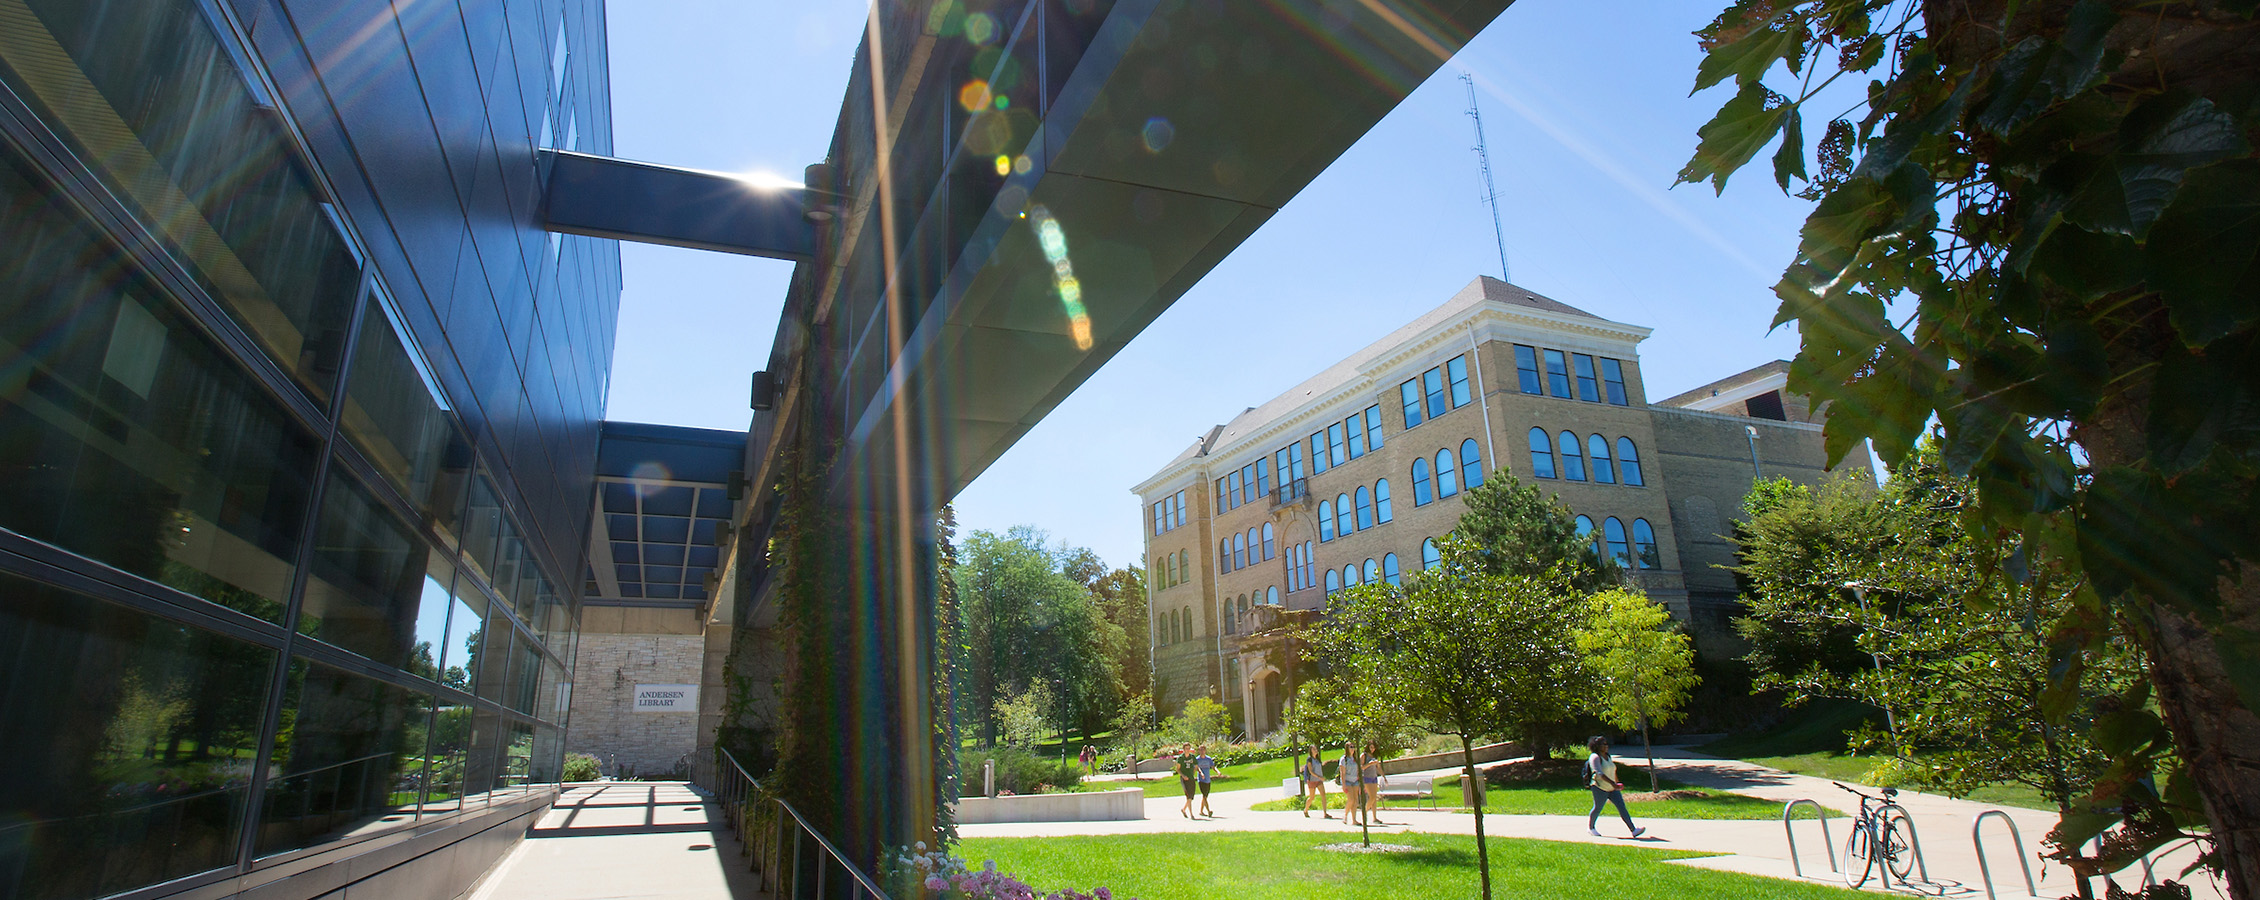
1860, 593
1752, 432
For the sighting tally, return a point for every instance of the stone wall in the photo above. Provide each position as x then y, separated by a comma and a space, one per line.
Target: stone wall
621, 648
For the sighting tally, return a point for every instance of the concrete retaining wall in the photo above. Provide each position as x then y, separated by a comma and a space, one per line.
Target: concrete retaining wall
1092, 806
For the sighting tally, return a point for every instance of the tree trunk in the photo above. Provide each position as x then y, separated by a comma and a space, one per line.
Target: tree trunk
1640, 705
1482, 851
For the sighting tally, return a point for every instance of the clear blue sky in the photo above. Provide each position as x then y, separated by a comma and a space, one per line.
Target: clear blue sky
1585, 103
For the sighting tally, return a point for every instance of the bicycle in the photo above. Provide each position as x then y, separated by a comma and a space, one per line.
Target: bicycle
1882, 838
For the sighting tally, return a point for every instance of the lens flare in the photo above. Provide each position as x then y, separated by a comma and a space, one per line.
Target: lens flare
1158, 133
980, 28
1054, 242
1004, 164
974, 96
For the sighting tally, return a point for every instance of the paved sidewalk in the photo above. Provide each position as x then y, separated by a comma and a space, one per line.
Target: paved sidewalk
622, 840
1753, 847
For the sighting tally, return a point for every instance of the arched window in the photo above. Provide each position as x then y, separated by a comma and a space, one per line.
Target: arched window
1628, 461
1447, 474
1184, 566
1471, 464
1597, 447
1421, 496
1644, 545
1541, 454
1161, 571
1612, 531
1573, 462
1350, 576
1255, 546
1224, 556
1161, 630
1585, 531
1344, 523
1244, 606
1372, 570
1239, 551
1389, 571
1333, 581
1365, 508
1325, 521
1269, 549
1271, 596
1227, 621
1381, 513
1429, 558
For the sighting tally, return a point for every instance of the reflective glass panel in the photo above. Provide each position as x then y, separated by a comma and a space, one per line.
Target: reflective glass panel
1526, 369
396, 419
369, 575
125, 435
348, 762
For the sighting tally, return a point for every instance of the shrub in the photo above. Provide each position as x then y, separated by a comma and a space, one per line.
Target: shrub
1018, 771
580, 767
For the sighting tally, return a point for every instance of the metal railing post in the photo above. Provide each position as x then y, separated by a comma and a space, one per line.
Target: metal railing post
1915, 842
1828, 847
1985, 870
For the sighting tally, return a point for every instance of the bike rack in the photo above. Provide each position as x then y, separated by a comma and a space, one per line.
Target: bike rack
1915, 842
1977, 839
1827, 846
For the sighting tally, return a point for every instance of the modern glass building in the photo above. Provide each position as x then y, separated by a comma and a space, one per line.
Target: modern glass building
299, 411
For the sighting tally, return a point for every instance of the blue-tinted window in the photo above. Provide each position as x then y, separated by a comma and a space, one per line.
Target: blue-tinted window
1541, 454
1429, 558
1267, 545
1573, 462
1557, 374
1526, 370
1325, 520
1365, 508
1447, 474
1597, 449
1588, 386
1356, 424
1224, 555
1239, 551
1373, 428
1432, 381
1263, 478
1612, 531
1318, 465
1628, 461
1381, 513
1591, 537
1372, 571
1333, 581
1421, 487
1612, 377
1337, 453
1410, 393
1455, 371
1344, 523
1389, 571
1471, 464
1644, 552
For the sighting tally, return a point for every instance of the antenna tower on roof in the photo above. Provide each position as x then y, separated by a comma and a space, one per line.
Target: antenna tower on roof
1483, 159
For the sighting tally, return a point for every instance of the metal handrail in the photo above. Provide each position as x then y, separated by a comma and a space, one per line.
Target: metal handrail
761, 833
1828, 846
1985, 870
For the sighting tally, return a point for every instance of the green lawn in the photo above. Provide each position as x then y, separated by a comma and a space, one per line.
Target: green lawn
1568, 797
1230, 778
1287, 866
1811, 742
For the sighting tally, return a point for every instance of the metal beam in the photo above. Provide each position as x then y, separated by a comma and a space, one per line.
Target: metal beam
602, 197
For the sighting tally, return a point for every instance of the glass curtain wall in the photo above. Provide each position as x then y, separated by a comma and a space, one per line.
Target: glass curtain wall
259, 595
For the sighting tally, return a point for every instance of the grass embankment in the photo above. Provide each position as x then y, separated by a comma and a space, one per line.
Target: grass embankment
1287, 866
1812, 743
1567, 796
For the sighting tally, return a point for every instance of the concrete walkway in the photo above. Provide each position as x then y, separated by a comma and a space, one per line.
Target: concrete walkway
1753, 847
621, 840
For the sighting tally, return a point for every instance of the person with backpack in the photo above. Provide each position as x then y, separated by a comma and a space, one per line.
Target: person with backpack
1601, 779
1313, 773
1184, 770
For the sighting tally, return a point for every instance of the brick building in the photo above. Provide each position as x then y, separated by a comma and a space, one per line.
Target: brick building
1349, 476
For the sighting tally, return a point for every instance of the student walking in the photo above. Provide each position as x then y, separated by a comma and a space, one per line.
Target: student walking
1370, 768
1601, 779
1313, 772
1184, 770
1347, 775
1205, 768
1090, 759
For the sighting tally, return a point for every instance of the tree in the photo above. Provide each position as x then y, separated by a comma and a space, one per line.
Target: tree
1203, 721
1023, 619
1465, 650
1028, 716
2037, 229
1520, 531
1798, 547
1948, 633
1335, 709
1121, 595
1643, 666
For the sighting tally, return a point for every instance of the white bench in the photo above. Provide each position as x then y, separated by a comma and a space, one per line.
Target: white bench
1393, 787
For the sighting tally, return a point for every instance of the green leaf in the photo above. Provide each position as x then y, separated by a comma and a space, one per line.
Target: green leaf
2203, 256
1742, 127
1843, 220
1746, 59
2163, 138
2085, 264
1789, 161
2037, 72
